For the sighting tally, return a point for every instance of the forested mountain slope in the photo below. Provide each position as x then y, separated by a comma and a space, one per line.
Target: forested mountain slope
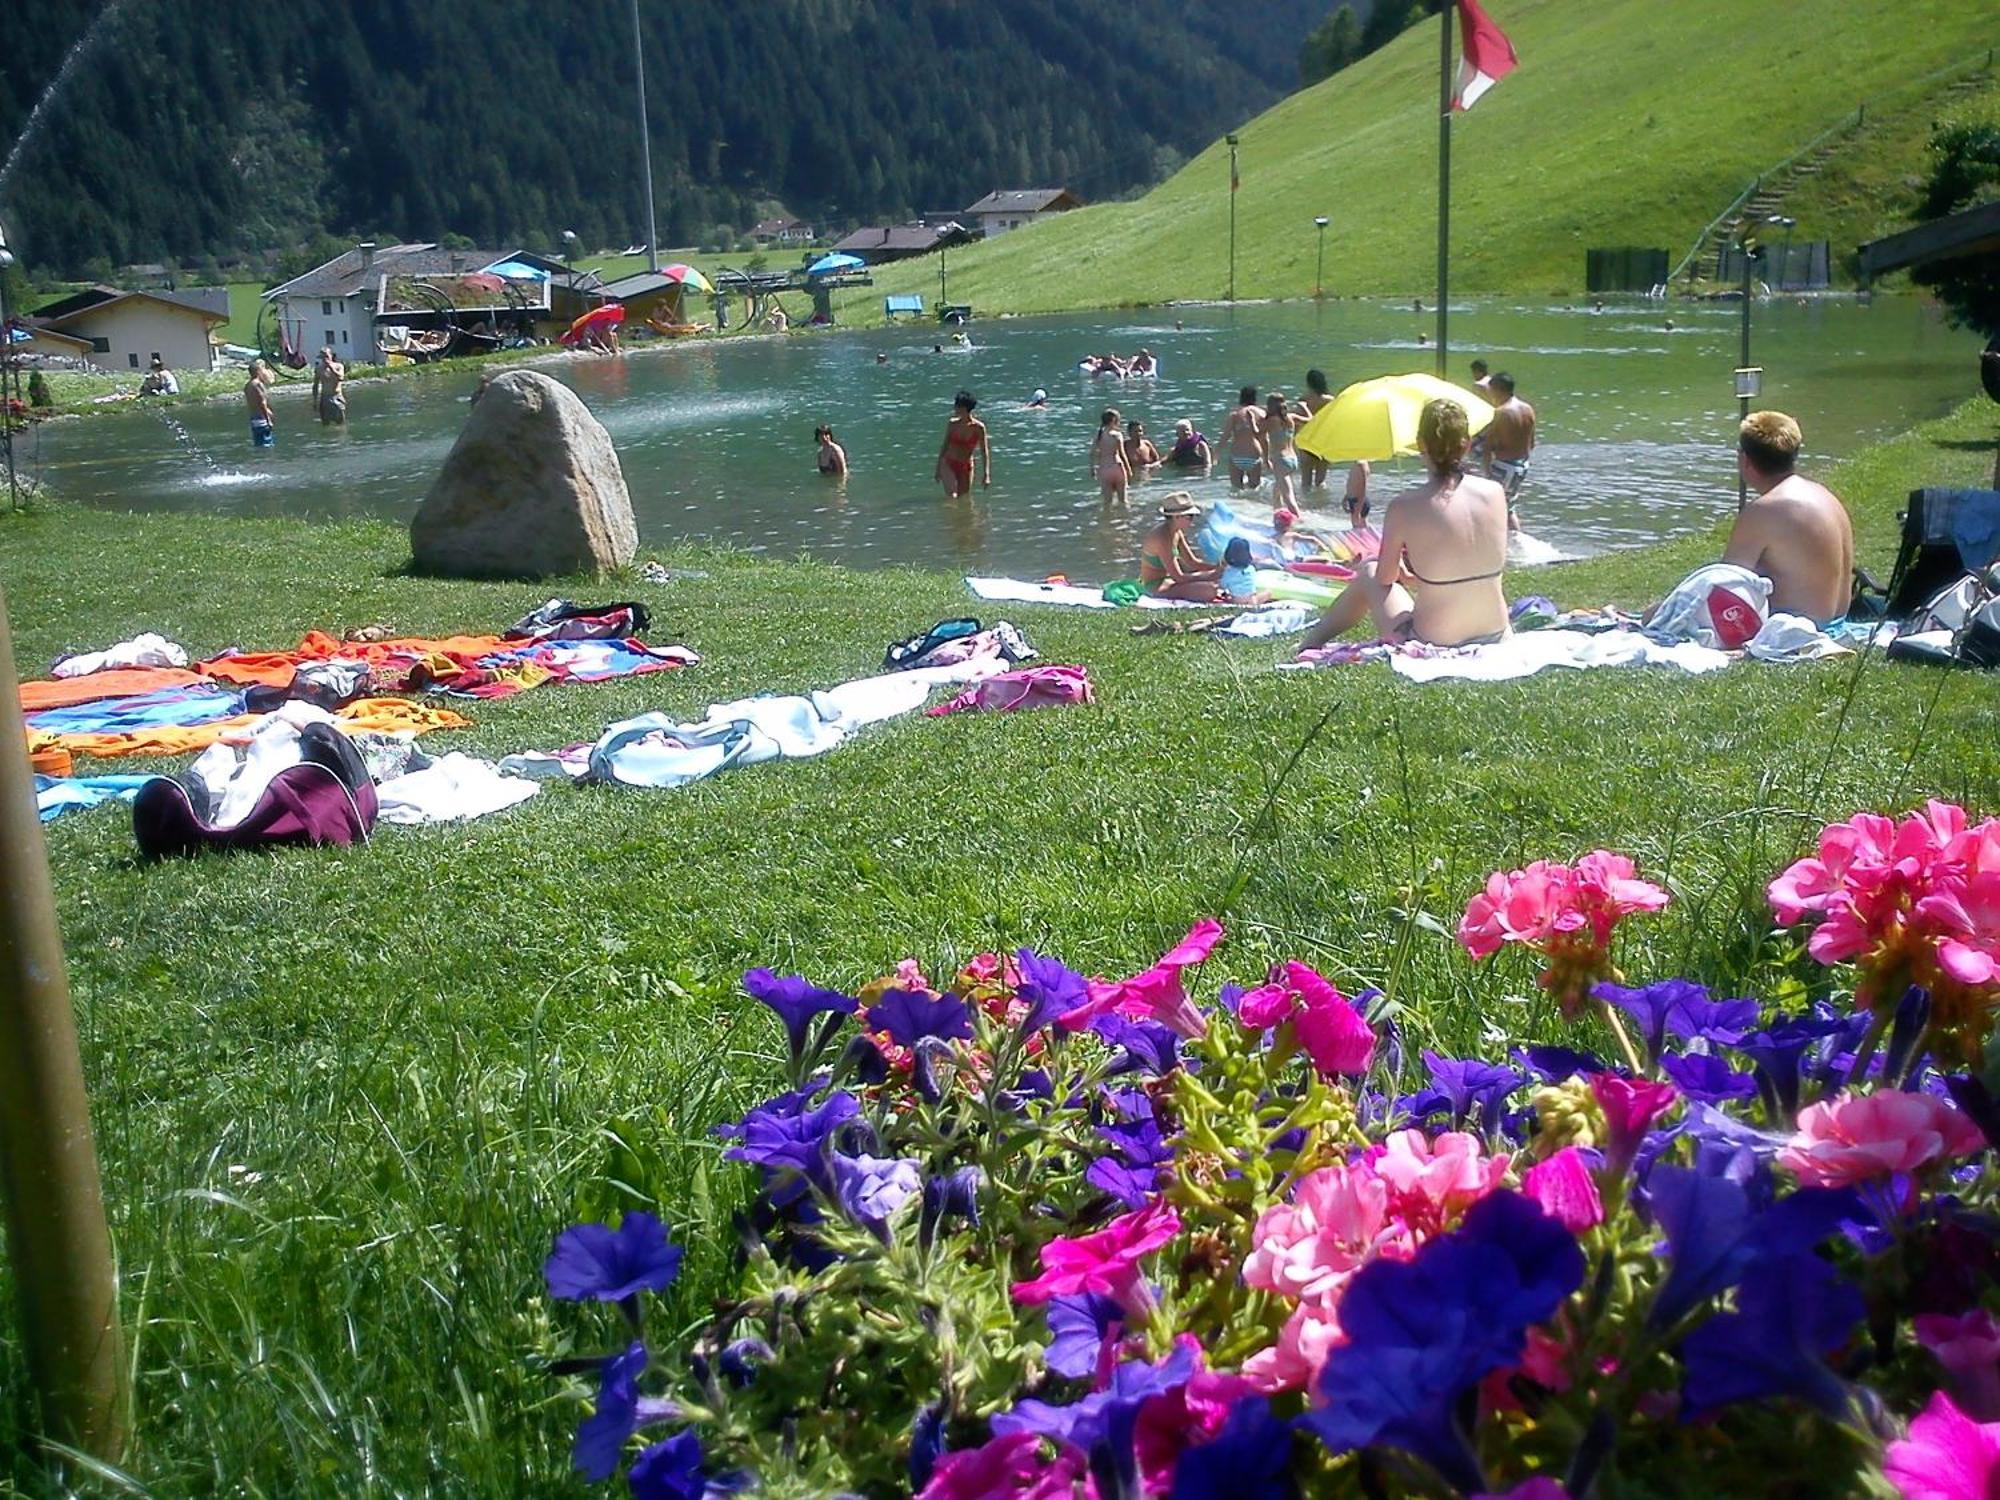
206, 127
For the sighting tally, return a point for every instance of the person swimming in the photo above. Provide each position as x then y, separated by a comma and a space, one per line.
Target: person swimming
832, 457
1139, 450
1190, 449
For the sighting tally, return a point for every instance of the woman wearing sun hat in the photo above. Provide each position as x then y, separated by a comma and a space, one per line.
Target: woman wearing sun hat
1169, 566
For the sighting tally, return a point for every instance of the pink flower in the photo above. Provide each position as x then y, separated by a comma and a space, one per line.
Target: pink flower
1518, 906
1565, 913
1858, 1137
1157, 994
1264, 1007
1968, 1346
1947, 1456
1432, 1182
1565, 1190
1531, 1489
1106, 1261
1608, 889
1337, 1220
1187, 1415
1007, 1468
1329, 1028
1293, 1362
1630, 1106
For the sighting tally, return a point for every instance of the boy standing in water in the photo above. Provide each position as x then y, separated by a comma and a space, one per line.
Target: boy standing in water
257, 396
1510, 440
1243, 431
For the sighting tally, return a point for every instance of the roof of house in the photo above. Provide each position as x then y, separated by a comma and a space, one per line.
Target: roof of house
37, 334
638, 284
97, 298
906, 238
1026, 201
347, 273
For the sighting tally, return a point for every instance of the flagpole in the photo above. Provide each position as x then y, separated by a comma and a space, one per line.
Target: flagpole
1444, 185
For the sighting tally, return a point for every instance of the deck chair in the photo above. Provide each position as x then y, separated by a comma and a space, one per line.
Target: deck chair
1946, 534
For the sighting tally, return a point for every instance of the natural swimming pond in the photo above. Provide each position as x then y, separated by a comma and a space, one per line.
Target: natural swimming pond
1637, 419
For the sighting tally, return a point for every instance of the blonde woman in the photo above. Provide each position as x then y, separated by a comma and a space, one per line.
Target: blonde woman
1448, 538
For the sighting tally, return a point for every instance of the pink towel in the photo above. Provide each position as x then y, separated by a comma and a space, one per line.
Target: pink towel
1030, 687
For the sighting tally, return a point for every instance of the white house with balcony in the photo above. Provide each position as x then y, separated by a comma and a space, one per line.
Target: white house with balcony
121, 331
999, 212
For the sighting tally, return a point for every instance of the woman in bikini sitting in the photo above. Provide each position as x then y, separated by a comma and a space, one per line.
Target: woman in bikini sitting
1168, 564
1448, 536
1108, 463
964, 440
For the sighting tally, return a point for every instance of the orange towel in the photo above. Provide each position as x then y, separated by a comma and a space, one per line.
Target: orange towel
386, 714
118, 682
274, 668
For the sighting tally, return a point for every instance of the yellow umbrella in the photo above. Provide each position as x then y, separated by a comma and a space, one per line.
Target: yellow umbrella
1376, 419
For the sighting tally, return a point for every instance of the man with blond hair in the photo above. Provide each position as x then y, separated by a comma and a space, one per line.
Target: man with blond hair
1794, 532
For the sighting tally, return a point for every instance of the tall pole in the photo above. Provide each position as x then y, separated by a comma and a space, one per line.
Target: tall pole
1743, 363
1233, 180
1319, 269
1444, 186
941, 292
56, 1240
645, 142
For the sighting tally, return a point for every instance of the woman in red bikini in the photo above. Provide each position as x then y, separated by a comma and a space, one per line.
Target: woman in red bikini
964, 439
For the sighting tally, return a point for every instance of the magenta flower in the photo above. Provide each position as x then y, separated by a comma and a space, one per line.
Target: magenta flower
1968, 1346
1159, 993
1947, 1456
1267, 1005
1856, 1138
1106, 1262
1331, 1030
1007, 1468
1564, 1190
1630, 1106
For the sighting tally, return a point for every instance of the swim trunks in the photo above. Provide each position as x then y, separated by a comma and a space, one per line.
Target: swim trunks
1512, 473
262, 434
333, 410
1245, 462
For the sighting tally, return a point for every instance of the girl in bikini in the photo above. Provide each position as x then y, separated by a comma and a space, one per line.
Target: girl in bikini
1279, 449
1107, 458
964, 440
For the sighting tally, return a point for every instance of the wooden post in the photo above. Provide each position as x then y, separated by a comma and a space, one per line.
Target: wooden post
57, 1240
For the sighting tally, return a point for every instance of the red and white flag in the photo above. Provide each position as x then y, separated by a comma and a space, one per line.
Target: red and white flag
1485, 54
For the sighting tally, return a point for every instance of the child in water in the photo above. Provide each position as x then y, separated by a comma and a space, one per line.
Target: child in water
1238, 582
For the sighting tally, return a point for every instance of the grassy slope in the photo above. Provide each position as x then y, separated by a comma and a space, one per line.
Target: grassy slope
343, 1098
1629, 122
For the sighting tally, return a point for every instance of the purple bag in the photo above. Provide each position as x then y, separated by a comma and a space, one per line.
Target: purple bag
327, 798
1031, 687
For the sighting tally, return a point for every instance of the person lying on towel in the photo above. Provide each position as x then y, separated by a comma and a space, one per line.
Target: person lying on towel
1448, 537
1793, 532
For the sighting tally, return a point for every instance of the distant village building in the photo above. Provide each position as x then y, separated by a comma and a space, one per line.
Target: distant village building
782, 232
878, 246
999, 212
341, 301
122, 330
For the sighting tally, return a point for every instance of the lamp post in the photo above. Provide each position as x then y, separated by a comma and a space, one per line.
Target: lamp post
645, 141
1233, 180
1785, 257
1749, 379
10, 382
1319, 274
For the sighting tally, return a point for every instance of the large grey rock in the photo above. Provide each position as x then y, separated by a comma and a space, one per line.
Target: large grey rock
531, 487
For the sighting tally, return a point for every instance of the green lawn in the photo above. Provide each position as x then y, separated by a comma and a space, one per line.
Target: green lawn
1628, 122
343, 1099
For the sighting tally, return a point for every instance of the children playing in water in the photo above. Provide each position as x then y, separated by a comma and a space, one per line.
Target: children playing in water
1107, 459
1281, 455
1140, 453
965, 441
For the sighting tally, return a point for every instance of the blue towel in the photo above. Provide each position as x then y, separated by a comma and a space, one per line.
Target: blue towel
56, 795
180, 707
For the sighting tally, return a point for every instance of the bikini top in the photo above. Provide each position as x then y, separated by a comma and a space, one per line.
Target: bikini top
1445, 583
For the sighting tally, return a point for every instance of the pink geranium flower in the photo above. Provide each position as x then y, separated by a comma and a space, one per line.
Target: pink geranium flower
1564, 1190
1157, 994
1105, 1262
1432, 1182
1336, 1221
1567, 913
1947, 1456
1856, 1138
1519, 906
1293, 1362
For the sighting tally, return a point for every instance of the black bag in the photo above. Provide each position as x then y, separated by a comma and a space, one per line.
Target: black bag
904, 653
1959, 625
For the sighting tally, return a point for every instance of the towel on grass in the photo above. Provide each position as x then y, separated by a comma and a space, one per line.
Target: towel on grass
1023, 591
147, 650
1523, 654
56, 795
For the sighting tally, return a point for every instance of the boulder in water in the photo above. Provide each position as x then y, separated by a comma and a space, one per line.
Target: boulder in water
532, 487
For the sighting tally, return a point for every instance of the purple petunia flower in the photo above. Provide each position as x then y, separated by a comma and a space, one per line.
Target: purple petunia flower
911, 1015
796, 1003
1554, 1064
594, 1262
1249, 1459
1788, 1315
954, 1194
1703, 1076
740, 1357
1143, 1046
1132, 1185
1467, 1084
1422, 1332
873, 1188
1778, 1053
1716, 1234
1902, 1061
926, 1444
1680, 1008
790, 1140
671, 1470
620, 1412
1102, 1424
1079, 1325
1052, 989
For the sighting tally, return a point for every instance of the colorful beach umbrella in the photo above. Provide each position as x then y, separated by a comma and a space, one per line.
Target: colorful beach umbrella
836, 260
687, 275
609, 315
1376, 419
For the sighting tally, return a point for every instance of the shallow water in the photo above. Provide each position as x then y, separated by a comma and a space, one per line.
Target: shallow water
1636, 421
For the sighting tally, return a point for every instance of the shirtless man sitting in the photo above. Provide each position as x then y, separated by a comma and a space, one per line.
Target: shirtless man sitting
1508, 441
1448, 536
1794, 532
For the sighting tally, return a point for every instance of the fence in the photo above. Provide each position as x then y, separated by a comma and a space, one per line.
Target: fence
1625, 268
1800, 267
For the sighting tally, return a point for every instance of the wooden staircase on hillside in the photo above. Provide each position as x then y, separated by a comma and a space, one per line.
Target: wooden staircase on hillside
1767, 195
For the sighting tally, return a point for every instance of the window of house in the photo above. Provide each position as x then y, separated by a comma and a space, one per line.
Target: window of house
343, 335
101, 346
134, 358
325, 307
329, 337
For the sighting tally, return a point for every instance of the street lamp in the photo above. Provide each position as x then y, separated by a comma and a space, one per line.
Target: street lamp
1319, 275
1749, 378
1785, 260
1231, 140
